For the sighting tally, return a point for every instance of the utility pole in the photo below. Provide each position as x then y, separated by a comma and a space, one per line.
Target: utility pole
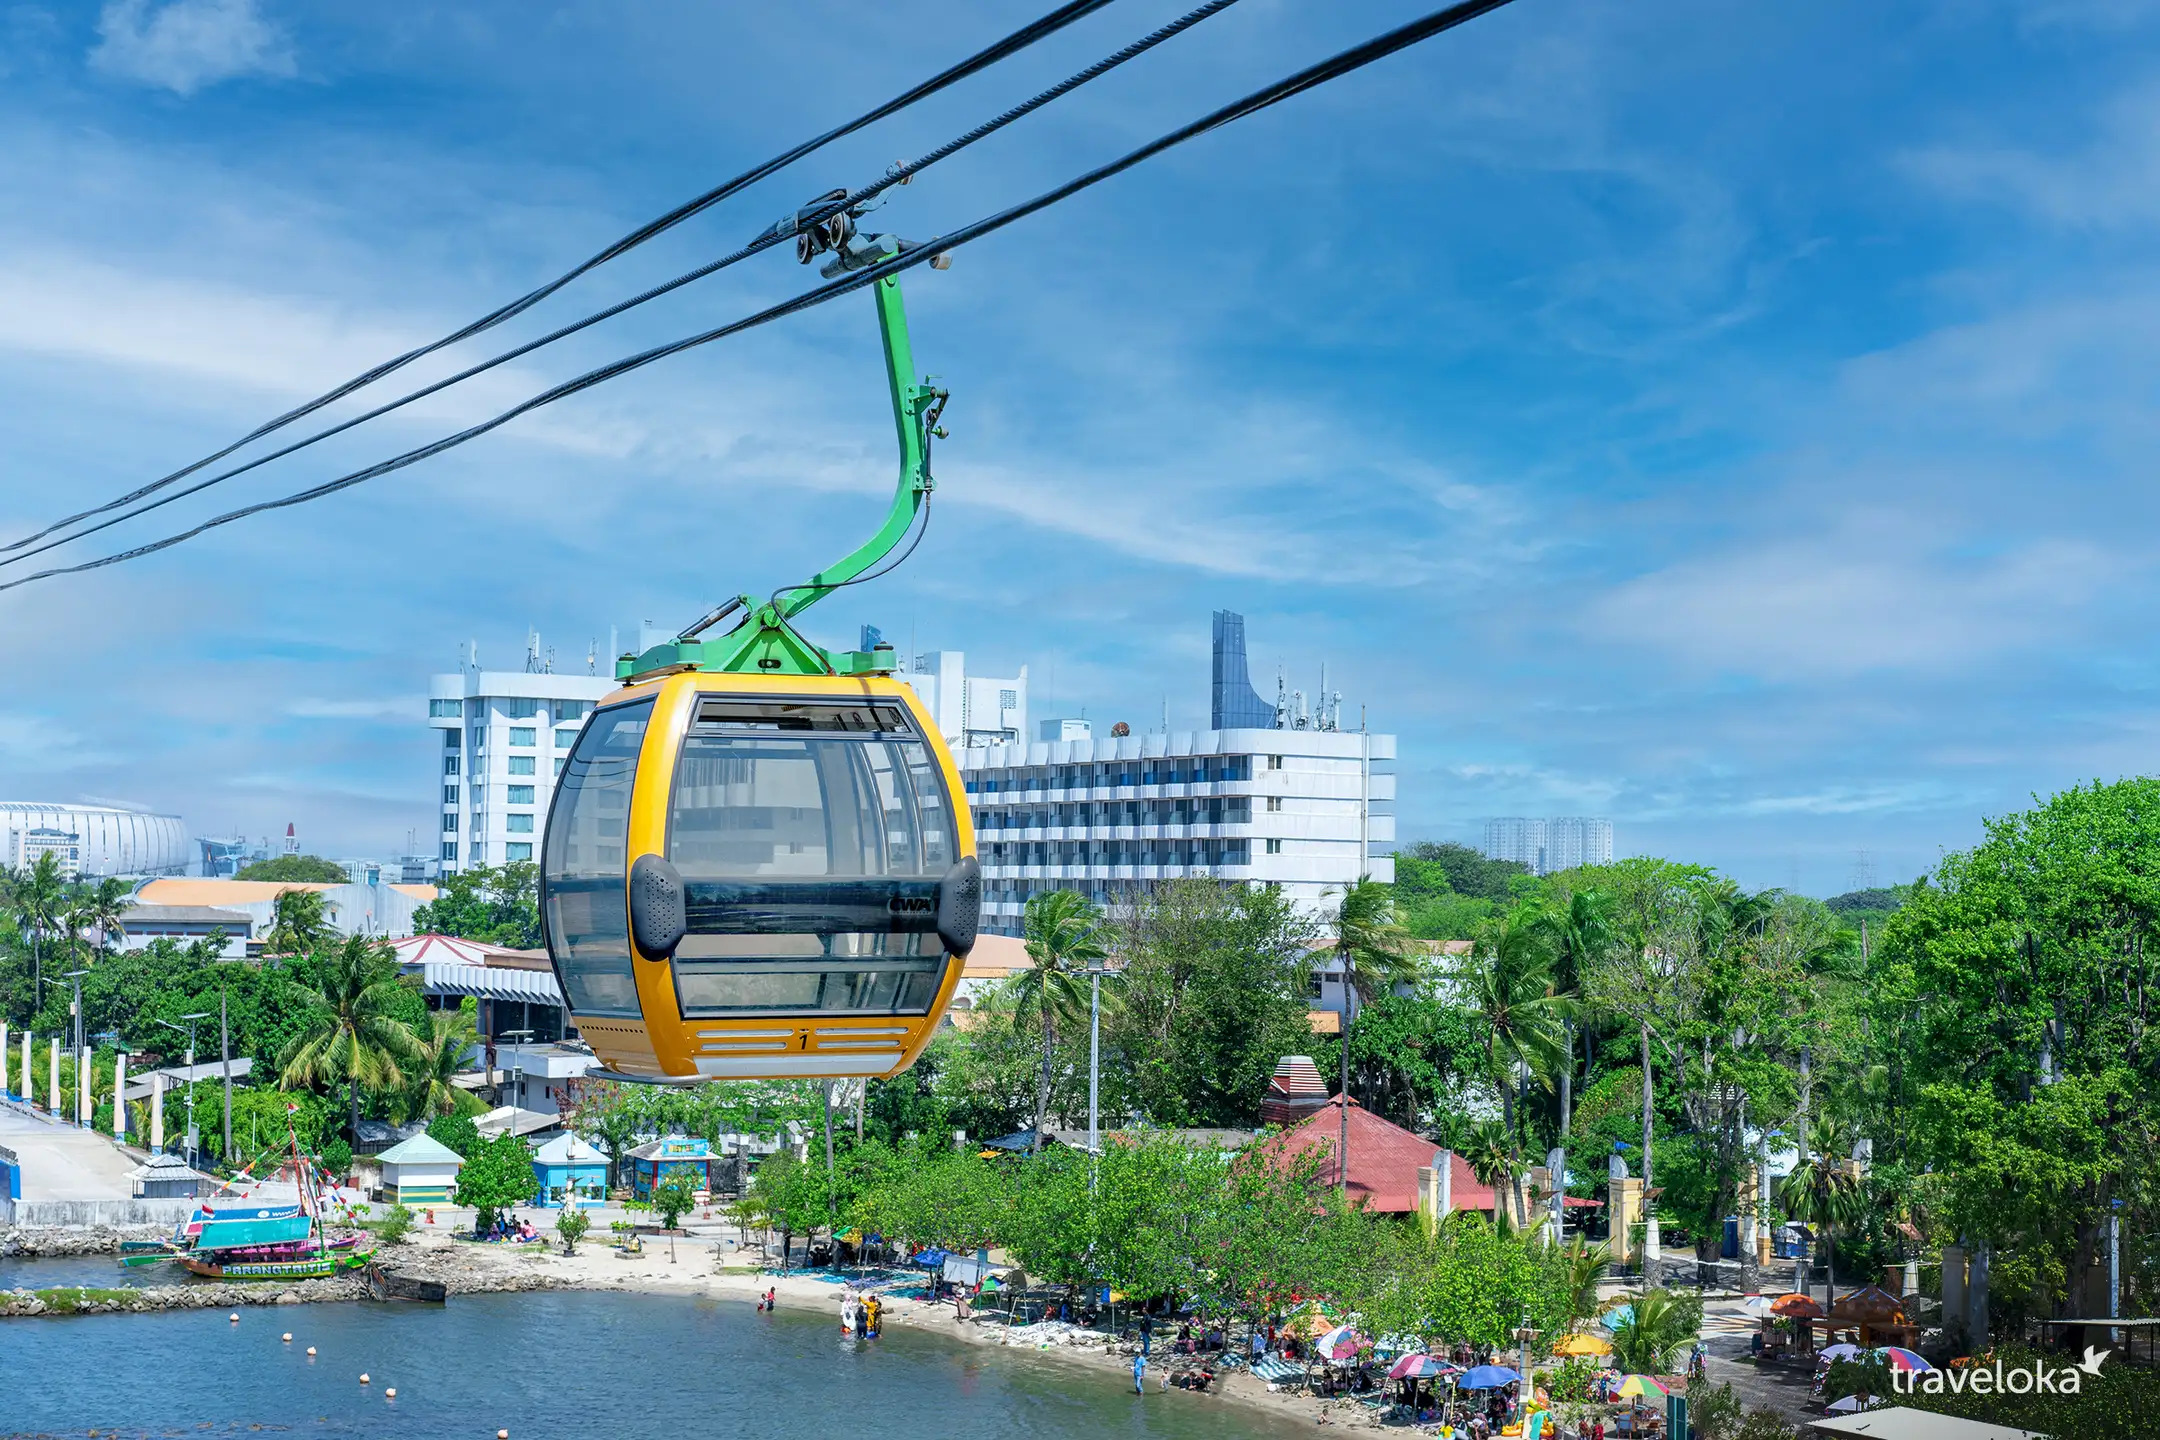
225, 1064
1094, 1066
1349, 993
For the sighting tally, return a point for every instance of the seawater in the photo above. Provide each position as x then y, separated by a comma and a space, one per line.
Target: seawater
565, 1364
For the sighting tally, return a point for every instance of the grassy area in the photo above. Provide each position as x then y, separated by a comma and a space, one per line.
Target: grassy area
69, 1299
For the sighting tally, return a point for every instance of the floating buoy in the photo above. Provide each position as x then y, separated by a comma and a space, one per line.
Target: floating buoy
363, 1377
234, 1317
502, 1435
390, 1393
311, 1352
287, 1338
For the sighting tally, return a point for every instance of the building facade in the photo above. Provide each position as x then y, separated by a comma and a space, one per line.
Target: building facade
504, 737
1545, 846
969, 709
1111, 816
104, 839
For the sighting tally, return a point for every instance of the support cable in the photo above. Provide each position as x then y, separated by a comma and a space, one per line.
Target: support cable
1313, 76
802, 220
1012, 44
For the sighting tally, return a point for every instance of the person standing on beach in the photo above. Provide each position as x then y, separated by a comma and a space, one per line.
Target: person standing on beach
1139, 1370
1147, 1330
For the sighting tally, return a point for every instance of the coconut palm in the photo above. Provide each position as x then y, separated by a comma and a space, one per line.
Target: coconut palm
1823, 1193
1582, 934
352, 1035
1586, 1264
100, 907
1367, 934
1064, 936
299, 921
40, 893
440, 1058
1664, 1323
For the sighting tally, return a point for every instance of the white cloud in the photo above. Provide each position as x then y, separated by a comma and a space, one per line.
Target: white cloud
41, 743
187, 44
386, 707
1818, 608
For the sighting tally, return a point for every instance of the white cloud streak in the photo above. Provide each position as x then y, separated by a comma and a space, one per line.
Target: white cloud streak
185, 45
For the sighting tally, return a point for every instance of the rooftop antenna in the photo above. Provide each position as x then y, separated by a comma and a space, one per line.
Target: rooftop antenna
532, 652
591, 660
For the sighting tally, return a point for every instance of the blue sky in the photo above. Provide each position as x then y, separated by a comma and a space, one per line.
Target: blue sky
1733, 420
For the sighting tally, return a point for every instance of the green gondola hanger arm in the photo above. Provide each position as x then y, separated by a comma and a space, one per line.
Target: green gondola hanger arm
764, 641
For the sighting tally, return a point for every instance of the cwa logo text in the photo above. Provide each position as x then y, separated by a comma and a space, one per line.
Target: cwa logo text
2033, 1379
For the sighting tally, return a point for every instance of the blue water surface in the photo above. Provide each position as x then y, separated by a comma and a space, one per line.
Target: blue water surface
564, 1364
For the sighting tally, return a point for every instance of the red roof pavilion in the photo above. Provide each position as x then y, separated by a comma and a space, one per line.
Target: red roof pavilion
1384, 1160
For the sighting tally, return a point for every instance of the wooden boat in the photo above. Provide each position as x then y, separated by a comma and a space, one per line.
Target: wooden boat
310, 1267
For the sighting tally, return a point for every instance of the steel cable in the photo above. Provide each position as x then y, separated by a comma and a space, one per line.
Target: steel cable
1334, 67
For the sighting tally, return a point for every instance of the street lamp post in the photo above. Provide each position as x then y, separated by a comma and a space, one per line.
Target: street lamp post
1095, 974
190, 1033
82, 1083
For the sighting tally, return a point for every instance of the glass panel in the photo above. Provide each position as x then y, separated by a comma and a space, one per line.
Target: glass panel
810, 837
587, 910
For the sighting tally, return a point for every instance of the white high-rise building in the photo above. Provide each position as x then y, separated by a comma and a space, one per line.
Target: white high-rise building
970, 709
1110, 815
1545, 846
505, 735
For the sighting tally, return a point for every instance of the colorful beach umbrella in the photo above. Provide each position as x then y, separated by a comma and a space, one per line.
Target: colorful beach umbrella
1839, 1352
1641, 1387
1570, 1345
1419, 1367
1618, 1316
1901, 1359
1486, 1377
1340, 1343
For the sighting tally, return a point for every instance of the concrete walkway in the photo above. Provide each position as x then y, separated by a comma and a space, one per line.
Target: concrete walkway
72, 1176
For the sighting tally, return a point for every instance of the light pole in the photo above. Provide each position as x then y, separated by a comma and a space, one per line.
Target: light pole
519, 1036
190, 1033
1349, 996
1095, 974
82, 1084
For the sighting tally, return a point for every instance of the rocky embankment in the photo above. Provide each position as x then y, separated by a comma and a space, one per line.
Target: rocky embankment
62, 1242
462, 1270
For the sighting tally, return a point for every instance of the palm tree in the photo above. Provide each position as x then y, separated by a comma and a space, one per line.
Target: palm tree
1508, 981
299, 921
1822, 1193
1582, 934
352, 1034
1586, 1265
1664, 1323
1487, 1149
442, 1055
40, 892
1365, 930
1064, 936
100, 908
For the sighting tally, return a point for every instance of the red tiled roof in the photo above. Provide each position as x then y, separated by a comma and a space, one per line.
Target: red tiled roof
1384, 1160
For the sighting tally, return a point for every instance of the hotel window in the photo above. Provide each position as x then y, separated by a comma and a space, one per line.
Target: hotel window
521, 794
449, 824
1274, 762
449, 849
558, 765
519, 824
449, 794
1274, 802
439, 708
521, 709
572, 710
517, 850
523, 735
449, 764
1274, 847
566, 737
522, 765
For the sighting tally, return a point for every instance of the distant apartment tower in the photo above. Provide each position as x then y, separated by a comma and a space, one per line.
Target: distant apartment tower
970, 710
1560, 843
505, 735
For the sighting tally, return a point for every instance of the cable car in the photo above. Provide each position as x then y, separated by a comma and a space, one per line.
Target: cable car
759, 861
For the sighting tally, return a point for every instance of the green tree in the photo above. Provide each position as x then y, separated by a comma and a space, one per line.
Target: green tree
299, 923
40, 892
1214, 995
1508, 982
456, 1131
497, 1175
439, 1059
99, 908
289, 869
1662, 1325
1460, 869
491, 904
571, 1225
1064, 936
675, 1196
1821, 1191
353, 1035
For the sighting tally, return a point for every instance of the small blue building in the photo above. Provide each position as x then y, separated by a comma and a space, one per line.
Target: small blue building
570, 1172
656, 1159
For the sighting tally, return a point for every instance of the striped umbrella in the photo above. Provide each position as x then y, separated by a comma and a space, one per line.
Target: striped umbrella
1420, 1367
1901, 1359
1340, 1343
1641, 1387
